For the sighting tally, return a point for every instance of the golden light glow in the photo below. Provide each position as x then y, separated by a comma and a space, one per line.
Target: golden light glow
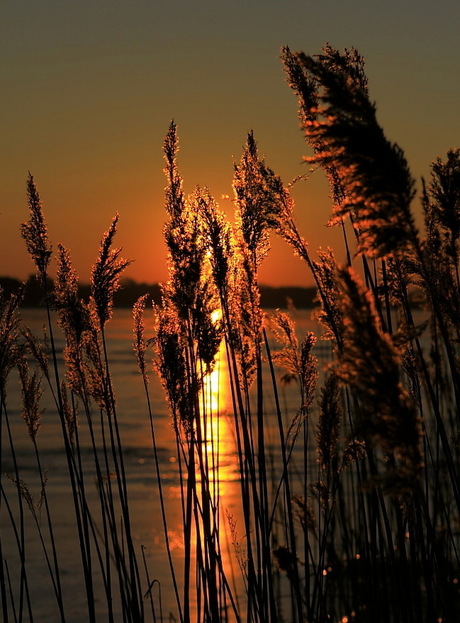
220, 456
215, 420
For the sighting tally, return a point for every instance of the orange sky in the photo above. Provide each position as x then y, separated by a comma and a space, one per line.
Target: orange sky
89, 89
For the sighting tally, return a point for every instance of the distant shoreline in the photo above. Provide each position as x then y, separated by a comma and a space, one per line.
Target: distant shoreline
271, 297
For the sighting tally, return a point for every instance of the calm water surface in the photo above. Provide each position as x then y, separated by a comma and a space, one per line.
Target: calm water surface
142, 483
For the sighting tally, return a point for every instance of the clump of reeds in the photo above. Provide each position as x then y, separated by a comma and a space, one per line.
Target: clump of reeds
392, 405
84, 400
348, 505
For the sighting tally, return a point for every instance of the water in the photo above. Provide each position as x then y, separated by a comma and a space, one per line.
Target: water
144, 504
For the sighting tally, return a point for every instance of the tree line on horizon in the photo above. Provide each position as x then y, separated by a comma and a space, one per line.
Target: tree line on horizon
271, 297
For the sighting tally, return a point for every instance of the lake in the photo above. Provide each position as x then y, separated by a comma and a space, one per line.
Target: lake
142, 484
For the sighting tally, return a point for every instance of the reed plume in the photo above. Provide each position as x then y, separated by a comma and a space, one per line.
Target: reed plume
256, 190
189, 290
171, 366
174, 195
70, 415
34, 232
329, 420
39, 349
329, 314
105, 277
369, 175
72, 311
74, 320
139, 343
31, 395
285, 333
445, 192
10, 350
297, 358
441, 203
220, 242
257, 212
370, 366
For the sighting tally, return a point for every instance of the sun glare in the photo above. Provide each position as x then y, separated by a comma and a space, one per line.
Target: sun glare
215, 407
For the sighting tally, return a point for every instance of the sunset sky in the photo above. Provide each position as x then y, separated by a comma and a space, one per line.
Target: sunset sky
89, 88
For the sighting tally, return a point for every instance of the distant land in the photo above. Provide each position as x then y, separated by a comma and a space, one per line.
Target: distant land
130, 291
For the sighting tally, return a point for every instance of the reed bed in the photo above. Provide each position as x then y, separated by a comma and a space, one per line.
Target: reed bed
349, 508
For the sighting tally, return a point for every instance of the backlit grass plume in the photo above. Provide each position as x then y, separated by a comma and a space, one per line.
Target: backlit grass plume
31, 395
329, 314
174, 195
329, 420
441, 202
296, 357
256, 190
257, 201
81, 353
171, 366
190, 292
10, 351
105, 276
220, 242
370, 177
72, 311
370, 365
285, 332
139, 342
445, 192
34, 232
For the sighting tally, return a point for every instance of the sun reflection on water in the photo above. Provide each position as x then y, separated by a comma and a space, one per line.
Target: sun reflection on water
215, 409
221, 458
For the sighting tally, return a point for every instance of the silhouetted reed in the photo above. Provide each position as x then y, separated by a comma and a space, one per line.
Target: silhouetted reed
347, 506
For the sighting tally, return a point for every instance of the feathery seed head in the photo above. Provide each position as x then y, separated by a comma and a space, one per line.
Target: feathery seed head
297, 359
308, 370
170, 363
175, 202
369, 176
259, 197
329, 314
370, 365
31, 394
330, 416
86, 373
72, 312
187, 251
246, 321
283, 328
39, 350
355, 451
10, 351
140, 346
70, 415
105, 277
445, 191
220, 243
206, 330
34, 231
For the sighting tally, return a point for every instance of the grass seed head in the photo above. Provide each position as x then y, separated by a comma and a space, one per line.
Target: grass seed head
105, 277
31, 395
34, 232
10, 350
